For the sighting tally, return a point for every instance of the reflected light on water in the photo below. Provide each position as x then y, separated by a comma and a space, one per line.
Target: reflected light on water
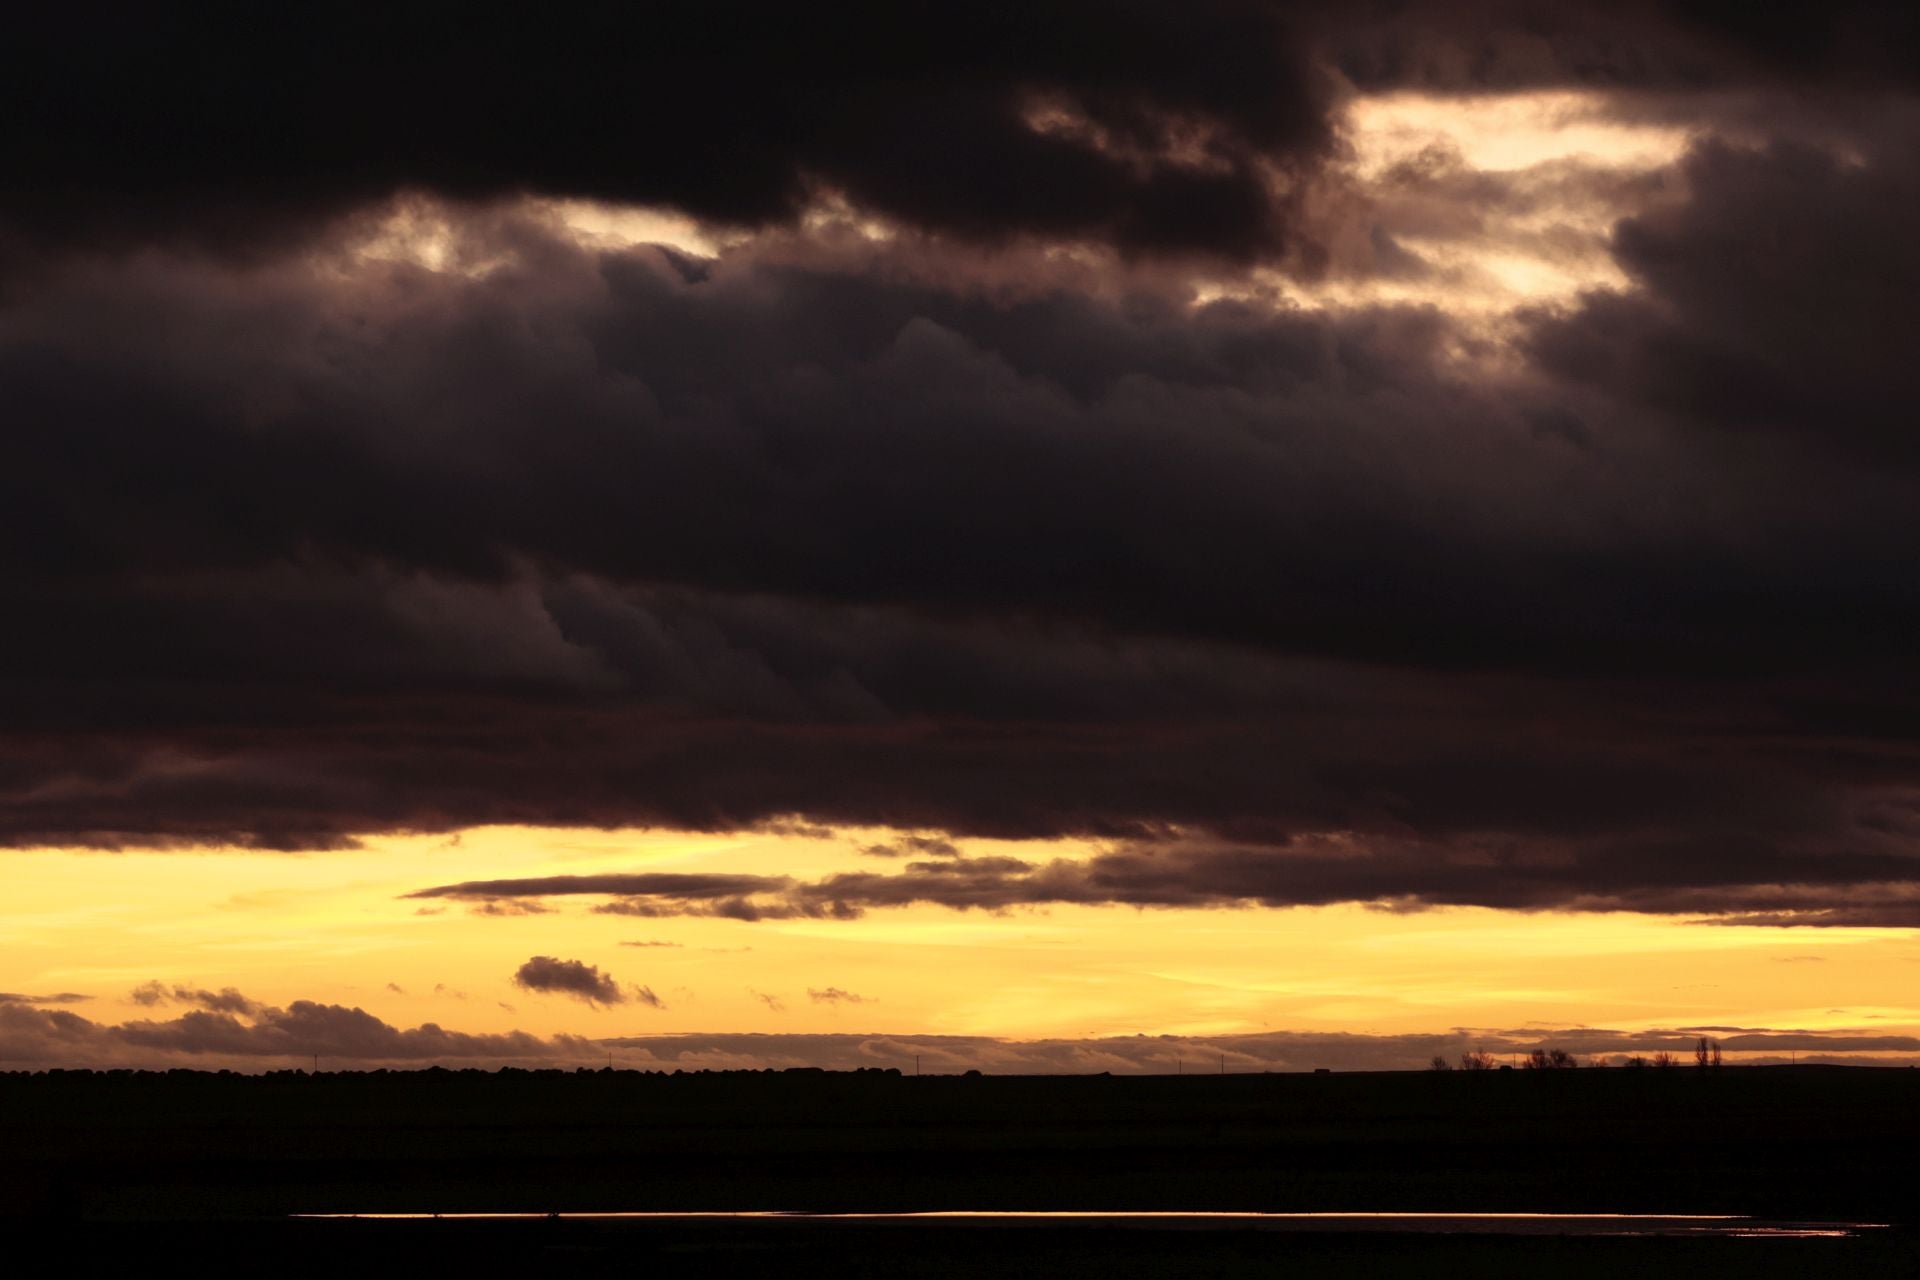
1626, 1224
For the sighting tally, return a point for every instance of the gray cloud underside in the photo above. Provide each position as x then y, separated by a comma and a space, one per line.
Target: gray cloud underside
346, 1038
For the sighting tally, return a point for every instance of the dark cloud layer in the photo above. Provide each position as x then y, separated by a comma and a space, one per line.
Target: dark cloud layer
1153, 125
1737, 328
733, 112
1508, 45
1609, 606
1756, 889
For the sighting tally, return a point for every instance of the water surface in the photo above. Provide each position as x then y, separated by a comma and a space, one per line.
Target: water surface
1511, 1224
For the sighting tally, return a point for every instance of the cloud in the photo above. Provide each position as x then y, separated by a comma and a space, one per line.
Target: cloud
652, 944
1436, 658
774, 1003
572, 978
346, 1038
1072, 120
507, 907
664, 884
834, 995
226, 1000
949, 529
1251, 1052
1755, 889
61, 997
909, 845
1156, 127
264, 1037
1796, 355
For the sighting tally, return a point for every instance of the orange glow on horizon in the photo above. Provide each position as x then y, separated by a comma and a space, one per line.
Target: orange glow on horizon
335, 928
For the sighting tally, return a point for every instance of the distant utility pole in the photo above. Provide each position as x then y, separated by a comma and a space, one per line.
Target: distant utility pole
916, 1064
1223, 1064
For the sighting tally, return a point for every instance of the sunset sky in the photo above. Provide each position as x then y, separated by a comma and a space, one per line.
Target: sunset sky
1131, 537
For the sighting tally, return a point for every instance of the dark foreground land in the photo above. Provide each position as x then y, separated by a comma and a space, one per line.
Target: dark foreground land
210, 1167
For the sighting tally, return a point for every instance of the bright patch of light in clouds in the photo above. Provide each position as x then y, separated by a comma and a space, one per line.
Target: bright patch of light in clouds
1504, 132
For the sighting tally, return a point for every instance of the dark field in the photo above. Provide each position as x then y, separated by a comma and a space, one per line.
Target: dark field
177, 1161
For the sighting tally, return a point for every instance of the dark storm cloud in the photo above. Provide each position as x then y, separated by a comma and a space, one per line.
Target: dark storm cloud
1164, 125
572, 978
1509, 45
132, 122
1773, 301
578, 541
1280, 606
1283, 479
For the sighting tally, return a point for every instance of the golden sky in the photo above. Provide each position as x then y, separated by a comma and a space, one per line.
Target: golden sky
335, 927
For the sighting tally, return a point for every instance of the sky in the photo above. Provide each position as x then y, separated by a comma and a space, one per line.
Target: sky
1073, 537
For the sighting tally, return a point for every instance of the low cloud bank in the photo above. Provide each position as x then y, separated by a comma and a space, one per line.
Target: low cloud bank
342, 1038
264, 1038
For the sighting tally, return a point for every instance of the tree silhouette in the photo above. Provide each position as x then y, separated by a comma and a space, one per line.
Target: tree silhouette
1474, 1060
1550, 1060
